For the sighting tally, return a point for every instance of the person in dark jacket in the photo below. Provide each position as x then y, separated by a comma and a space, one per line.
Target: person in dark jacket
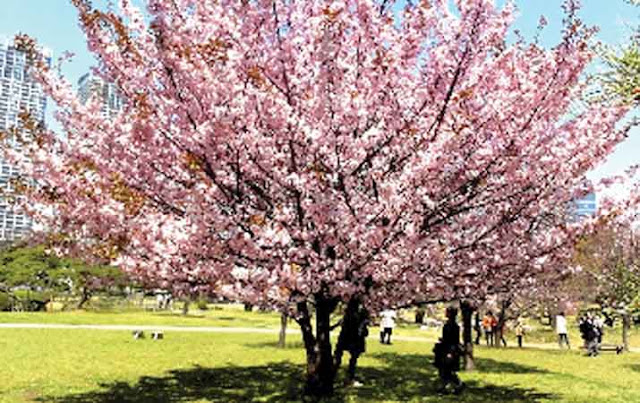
352, 338
447, 353
589, 335
477, 326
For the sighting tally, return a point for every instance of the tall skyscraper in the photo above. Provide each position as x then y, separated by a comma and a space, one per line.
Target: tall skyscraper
19, 92
92, 86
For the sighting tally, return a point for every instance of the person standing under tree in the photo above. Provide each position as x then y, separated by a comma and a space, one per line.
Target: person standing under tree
352, 338
561, 330
447, 354
599, 325
159, 301
519, 329
488, 323
387, 323
589, 334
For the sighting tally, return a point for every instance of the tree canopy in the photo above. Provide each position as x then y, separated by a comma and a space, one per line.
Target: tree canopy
318, 151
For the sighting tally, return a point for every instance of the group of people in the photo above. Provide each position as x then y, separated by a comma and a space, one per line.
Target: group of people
355, 331
591, 329
164, 301
448, 350
493, 329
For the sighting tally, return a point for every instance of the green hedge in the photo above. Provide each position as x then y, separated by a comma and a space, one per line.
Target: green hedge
5, 301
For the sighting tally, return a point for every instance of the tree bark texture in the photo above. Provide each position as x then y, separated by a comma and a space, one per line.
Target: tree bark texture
320, 369
502, 321
467, 339
626, 326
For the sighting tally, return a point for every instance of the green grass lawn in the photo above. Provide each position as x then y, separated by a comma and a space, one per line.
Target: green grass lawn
223, 315
89, 366
233, 315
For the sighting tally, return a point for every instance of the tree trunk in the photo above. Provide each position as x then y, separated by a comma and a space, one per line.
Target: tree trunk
626, 326
467, 339
283, 330
185, 307
248, 307
320, 369
502, 319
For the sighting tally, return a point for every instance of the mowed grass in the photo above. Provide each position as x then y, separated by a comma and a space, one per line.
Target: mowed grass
95, 366
230, 315
233, 315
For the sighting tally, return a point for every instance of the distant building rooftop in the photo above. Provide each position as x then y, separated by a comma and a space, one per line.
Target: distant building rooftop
586, 206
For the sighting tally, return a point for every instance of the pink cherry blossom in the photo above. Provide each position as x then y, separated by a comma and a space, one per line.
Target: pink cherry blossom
292, 152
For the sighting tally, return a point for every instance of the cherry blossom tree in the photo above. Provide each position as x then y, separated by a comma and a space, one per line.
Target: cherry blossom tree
310, 152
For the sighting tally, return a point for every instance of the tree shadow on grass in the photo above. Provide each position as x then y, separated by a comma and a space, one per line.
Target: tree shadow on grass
634, 367
489, 365
296, 344
401, 378
486, 365
276, 382
227, 318
413, 377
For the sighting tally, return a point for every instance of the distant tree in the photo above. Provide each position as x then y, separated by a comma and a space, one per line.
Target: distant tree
621, 81
29, 267
610, 269
86, 280
35, 268
621, 78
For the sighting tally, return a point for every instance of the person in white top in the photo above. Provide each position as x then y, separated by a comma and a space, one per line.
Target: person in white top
599, 324
561, 330
387, 323
160, 301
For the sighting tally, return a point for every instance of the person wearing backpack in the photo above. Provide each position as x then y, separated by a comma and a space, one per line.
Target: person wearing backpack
352, 338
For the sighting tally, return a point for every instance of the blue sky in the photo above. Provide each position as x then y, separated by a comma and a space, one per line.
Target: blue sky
54, 24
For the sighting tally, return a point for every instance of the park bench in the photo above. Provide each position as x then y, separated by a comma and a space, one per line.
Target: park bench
609, 347
138, 334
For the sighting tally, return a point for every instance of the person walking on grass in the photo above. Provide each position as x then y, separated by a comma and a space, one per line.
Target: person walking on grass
353, 336
387, 323
561, 330
447, 352
519, 330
